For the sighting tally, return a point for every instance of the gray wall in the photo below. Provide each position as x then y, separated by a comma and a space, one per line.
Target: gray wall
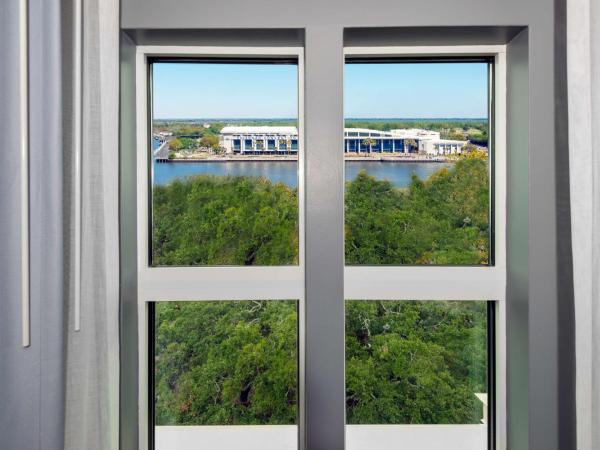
31, 387
537, 338
31, 380
517, 309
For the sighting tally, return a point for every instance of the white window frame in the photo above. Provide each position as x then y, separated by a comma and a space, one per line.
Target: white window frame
205, 283
453, 282
208, 283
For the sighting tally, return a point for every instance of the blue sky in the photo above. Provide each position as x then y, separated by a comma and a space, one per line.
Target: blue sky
434, 90
190, 91
430, 90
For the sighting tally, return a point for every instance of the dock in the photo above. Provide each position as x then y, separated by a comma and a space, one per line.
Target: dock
161, 154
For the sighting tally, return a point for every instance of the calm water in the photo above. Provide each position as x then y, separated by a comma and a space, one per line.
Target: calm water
276, 171
286, 172
398, 173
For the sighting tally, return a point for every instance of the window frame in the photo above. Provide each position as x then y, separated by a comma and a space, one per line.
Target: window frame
213, 283
462, 283
206, 283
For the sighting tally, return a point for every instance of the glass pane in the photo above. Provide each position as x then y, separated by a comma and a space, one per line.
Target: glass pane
416, 146
224, 164
416, 363
226, 375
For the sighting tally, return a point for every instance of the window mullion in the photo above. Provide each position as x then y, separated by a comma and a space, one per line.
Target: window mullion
425, 283
324, 351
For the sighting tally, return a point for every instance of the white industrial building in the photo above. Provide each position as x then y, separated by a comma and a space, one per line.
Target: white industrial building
255, 140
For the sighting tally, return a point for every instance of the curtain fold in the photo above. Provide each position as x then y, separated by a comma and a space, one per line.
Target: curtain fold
583, 72
92, 354
32, 378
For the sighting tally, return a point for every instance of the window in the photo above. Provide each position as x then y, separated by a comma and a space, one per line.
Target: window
222, 285
428, 202
221, 220
206, 196
419, 363
424, 247
225, 363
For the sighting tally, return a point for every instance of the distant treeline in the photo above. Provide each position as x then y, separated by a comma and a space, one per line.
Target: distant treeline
196, 129
474, 130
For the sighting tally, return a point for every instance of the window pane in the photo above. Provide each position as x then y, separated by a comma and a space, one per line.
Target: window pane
416, 363
231, 363
417, 168
225, 164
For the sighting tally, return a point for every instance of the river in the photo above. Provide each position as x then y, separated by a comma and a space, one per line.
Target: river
397, 172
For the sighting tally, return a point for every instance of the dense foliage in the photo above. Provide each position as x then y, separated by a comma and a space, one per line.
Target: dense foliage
244, 221
224, 220
210, 141
183, 143
407, 362
226, 363
443, 220
415, 362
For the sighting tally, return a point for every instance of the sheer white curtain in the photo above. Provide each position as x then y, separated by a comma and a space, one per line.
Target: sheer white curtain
583, 59
92, 354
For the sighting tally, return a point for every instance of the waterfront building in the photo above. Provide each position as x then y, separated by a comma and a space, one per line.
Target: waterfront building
259, 140
401, 141
265, 140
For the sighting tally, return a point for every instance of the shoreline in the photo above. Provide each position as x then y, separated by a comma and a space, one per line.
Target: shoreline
384, 159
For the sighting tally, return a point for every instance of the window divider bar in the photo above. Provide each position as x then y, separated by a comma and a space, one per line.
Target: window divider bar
425, 283
220, 283
325, 338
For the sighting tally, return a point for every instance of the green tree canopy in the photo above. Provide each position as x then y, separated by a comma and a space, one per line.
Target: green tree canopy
415, 362
226, 363
209, 220
443, 220
210, 141
175, 144
244, 221
407, 362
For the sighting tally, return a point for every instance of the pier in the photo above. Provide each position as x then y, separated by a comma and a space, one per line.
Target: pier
161, 154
